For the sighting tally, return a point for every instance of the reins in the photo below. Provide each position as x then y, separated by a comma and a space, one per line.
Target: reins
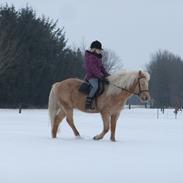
127, 90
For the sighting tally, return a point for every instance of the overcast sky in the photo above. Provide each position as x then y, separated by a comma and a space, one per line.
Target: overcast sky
134, 29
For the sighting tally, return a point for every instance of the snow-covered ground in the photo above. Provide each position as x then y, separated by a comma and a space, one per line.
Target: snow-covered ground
148, 150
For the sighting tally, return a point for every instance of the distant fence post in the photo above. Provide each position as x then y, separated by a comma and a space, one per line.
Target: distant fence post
176, 112
20, 108
157, 113
129, 106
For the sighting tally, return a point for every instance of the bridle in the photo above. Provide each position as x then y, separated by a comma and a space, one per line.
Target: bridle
132, 92
139, 84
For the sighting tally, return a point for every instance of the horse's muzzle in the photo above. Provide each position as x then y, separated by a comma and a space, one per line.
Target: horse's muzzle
145, 96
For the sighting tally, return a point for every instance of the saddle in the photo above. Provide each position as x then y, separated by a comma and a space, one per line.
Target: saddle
85, 88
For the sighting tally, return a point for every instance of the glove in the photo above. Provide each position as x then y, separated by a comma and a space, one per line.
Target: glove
105, 80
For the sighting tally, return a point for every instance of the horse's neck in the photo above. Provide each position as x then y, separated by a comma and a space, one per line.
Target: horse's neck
125, 81
122, 97
128, 92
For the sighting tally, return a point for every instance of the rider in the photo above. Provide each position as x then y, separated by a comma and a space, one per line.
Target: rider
94, 70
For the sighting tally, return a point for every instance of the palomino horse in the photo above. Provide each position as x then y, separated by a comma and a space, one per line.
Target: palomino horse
64, 97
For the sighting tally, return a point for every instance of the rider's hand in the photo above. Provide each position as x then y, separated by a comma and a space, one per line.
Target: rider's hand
105, 80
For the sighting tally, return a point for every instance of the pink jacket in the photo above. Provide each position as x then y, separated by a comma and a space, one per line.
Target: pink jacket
93, 66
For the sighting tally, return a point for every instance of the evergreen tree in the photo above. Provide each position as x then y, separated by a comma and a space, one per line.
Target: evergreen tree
33, 55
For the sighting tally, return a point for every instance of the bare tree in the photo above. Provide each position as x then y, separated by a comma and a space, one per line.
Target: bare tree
111, 61
166, 70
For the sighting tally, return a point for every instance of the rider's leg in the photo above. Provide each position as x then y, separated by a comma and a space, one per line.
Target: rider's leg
89, 99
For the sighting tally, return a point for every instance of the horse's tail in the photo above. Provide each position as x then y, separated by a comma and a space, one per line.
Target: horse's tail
52, 106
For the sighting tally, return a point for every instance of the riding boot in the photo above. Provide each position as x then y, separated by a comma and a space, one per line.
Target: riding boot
88, 105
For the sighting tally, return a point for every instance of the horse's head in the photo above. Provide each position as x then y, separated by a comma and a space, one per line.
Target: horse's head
142, 86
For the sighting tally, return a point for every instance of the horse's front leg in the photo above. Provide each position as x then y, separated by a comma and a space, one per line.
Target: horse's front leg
106, 119
114, 119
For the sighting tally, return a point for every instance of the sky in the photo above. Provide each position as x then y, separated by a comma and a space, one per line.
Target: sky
133, 29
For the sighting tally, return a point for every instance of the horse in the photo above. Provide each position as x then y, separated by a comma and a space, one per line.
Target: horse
65, 97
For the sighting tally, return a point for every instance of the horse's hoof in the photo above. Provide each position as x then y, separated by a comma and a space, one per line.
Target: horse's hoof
96, 138
113, 140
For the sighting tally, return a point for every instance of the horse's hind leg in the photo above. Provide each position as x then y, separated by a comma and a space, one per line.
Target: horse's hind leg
58, 119
106, 119
70, 121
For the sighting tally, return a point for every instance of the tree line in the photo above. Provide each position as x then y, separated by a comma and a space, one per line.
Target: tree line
166, 83
33, 55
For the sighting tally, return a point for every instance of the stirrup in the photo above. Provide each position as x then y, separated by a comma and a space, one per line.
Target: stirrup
88, 105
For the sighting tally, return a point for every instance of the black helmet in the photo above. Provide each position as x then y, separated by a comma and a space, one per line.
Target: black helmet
96, 44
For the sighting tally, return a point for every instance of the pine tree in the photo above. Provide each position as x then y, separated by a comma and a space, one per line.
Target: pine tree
33, 55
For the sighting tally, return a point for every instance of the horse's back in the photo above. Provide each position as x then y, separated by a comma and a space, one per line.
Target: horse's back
68, 90
68, 84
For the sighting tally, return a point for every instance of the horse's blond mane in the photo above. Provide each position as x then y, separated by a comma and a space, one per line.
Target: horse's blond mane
123, 79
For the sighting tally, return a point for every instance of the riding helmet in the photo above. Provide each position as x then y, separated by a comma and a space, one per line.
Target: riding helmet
96, 44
